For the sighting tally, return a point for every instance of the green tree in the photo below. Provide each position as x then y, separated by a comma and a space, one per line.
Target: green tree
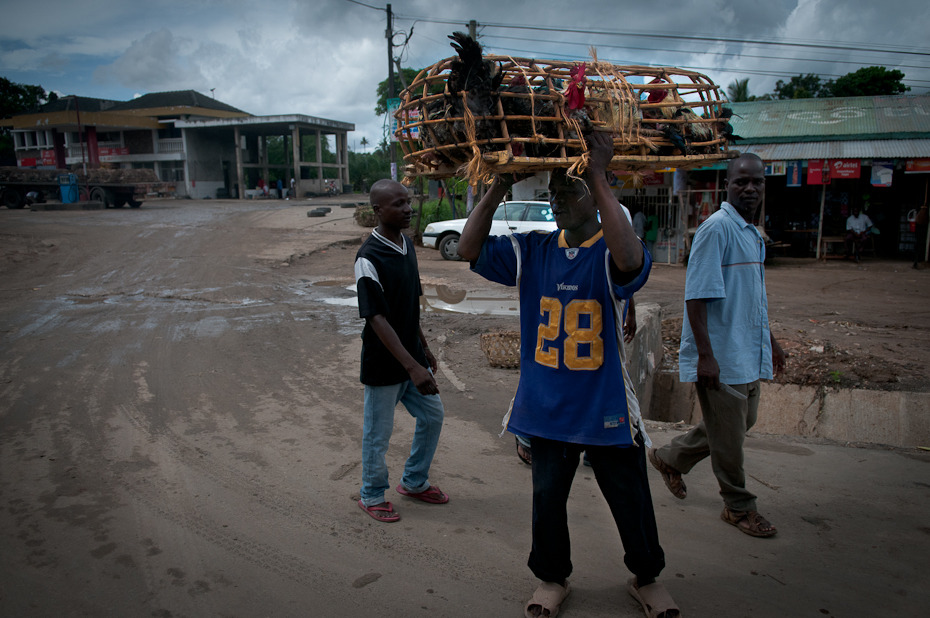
365, 169
869, 81
802, 87
16, 99
19, 98
738, 91
408, 76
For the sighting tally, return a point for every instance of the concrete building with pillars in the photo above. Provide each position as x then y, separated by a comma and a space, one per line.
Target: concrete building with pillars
202, 146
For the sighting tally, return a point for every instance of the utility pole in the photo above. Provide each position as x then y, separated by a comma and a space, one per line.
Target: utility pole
473, 30
389, 35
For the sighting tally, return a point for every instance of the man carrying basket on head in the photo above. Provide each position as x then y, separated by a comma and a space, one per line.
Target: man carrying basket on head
574, 393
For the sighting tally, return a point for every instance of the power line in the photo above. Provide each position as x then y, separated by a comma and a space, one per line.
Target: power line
699, 68
367, 6
711, 53
917, 51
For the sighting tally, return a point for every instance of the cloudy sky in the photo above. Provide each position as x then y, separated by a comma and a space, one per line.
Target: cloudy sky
324, 58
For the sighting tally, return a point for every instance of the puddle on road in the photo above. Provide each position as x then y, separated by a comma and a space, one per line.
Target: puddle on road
435, 298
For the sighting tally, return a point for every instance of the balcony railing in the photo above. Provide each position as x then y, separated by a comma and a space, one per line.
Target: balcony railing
172, 145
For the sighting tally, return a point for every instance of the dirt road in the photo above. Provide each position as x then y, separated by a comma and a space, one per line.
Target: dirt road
180, 422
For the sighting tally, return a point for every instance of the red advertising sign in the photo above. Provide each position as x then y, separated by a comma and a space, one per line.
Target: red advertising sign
844, 168
917, 166
107, 154
48, 158
818, 172
27, 162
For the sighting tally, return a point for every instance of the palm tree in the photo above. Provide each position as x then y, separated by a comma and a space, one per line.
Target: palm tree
364, 144
738, 91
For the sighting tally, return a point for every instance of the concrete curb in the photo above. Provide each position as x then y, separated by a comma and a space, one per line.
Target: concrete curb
894, 418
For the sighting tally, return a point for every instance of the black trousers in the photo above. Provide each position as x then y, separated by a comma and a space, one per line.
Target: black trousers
621, 476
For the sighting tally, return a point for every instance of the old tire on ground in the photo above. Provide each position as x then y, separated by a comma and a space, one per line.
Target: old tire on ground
448, 247
449, 295
13, 198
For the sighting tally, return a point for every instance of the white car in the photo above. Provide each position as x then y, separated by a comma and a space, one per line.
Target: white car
509, 217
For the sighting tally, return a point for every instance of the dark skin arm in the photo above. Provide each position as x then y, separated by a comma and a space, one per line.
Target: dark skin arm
421, 377
778, 355
626, 250
708, 371
629, 324
479, 221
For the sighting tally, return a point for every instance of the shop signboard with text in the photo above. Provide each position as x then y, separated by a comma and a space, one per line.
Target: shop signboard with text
917, 166
818, 172
882, 173
845, 168
793, 171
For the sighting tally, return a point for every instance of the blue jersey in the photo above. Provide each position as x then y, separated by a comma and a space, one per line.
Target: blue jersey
573, 382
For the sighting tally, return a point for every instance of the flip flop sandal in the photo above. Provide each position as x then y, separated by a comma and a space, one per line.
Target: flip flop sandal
548, 597
433, 495
524, 452
655, 599
385, 507
750, 522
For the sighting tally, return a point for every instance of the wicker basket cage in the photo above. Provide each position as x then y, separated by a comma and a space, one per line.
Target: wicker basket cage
534, 128
502, 348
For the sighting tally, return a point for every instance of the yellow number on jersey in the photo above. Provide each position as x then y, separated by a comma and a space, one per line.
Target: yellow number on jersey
546, 353
576, 336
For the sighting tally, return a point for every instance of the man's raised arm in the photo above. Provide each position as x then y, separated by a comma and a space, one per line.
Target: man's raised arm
478, 225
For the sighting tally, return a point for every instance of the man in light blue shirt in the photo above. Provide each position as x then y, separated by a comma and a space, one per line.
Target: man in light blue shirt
726, 346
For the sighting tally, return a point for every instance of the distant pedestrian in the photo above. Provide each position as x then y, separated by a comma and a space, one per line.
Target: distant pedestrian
280, 189
726, 347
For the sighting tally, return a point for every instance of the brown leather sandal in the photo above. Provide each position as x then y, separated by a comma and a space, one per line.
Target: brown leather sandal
670, 475
750, 522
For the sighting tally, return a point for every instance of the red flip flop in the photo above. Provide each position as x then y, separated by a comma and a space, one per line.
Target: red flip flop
382, 512
433, 495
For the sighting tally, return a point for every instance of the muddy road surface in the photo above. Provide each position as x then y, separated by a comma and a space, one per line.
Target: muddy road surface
181, 434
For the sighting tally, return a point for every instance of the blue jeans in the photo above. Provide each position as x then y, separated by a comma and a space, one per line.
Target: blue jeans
621, 475
377, 427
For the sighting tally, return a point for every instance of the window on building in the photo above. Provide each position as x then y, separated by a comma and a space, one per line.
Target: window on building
108, 136
169, 132
171, 171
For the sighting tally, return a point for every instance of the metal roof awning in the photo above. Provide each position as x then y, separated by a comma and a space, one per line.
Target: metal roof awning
843, 149
267, 124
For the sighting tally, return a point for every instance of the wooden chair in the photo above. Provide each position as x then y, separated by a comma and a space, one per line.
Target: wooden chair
828, 247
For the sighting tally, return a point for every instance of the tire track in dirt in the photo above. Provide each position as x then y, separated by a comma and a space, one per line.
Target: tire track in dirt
313, 517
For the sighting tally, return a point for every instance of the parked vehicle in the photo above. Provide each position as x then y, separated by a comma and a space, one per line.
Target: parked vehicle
508, 218
112, 187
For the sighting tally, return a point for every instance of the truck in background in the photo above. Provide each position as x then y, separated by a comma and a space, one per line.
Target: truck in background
114, 188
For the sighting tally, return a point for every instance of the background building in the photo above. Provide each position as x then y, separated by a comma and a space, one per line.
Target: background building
834, 153
205, 147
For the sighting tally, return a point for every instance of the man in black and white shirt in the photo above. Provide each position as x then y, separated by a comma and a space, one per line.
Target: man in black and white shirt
397, 365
